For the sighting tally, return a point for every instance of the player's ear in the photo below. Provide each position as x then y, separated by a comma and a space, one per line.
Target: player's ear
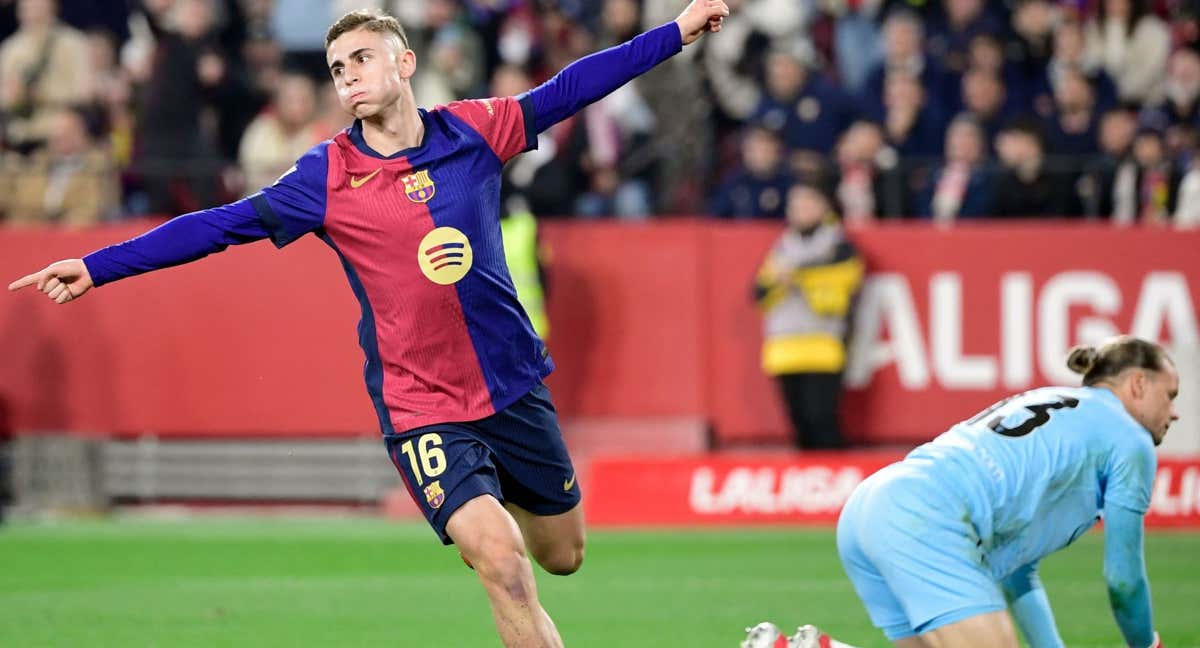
1137, 383
407, 62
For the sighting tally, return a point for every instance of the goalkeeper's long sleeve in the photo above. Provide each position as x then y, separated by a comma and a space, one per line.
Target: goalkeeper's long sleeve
1031, 608
1125, 573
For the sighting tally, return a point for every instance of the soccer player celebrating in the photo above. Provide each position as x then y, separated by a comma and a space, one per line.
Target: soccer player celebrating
409, 200
944, 544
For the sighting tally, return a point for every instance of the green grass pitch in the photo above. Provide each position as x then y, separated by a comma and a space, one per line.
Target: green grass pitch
365, 582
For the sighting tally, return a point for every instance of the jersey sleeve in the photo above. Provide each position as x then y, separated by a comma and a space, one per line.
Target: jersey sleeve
1131, 473
295, 204
180, 240
505, 123
592, 77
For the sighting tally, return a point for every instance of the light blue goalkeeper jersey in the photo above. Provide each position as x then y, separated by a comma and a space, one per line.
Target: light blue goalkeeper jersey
1037, 469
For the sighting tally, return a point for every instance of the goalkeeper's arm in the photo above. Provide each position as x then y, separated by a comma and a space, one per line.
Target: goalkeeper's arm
1031, 608
1125, 574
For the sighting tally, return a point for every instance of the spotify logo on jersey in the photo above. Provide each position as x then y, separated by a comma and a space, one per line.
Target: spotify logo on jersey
445, 255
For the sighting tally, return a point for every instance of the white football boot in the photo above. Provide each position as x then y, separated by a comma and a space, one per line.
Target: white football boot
763, 635
806, 637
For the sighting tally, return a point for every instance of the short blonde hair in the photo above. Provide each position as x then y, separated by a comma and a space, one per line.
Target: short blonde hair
370, 20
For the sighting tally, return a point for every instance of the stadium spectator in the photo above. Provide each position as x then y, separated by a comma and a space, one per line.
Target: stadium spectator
620, 161
453, 55
1132, 45
984, 98
282, 133
1072, 124
1145, 182
299, 27
912, 123
1069, 54
758, 187
987, 53
807, 110
856, 43
732, 63
962, 187
949, 37
1027, 186
1187, 201
1117, 129
176, 153
867, 184
1030, 46
70, 182
43, 69
805, 288
903, 53
109, 96
683, 142
1178, 114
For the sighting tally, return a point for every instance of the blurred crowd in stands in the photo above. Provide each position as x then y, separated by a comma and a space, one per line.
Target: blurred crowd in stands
935, 109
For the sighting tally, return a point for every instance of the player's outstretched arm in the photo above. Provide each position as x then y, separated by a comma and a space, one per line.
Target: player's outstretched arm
1031, 607
592, 77
1125, 574
183, 239
61, 281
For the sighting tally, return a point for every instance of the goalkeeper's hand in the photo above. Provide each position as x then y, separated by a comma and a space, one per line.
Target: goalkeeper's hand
61, 281
1157, 642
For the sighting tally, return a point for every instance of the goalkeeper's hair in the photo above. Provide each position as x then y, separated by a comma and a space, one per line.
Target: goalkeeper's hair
1105, 362
368, 19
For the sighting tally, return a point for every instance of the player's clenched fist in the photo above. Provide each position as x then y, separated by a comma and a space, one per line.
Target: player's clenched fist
701, 16
62, 281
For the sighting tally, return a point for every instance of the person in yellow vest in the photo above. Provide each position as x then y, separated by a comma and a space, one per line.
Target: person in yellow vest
805, 289
524, 256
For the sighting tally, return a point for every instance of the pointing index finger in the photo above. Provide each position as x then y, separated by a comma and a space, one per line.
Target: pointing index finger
27, 280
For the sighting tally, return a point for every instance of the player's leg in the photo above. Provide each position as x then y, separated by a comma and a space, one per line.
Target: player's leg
538, 479
555, 541
488, 537
987, 630
822, 396
450, 474
791, 389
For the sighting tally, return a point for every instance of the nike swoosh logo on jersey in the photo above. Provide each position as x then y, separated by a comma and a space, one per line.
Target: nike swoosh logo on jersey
569, 483
355, 183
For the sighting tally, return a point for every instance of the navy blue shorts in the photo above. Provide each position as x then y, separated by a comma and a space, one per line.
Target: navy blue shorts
516, 455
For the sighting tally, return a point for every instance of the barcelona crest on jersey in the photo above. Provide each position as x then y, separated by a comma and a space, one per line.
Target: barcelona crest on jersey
418, 186
434, 494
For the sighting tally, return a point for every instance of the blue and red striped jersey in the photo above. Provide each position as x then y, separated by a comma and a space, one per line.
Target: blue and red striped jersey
418, 234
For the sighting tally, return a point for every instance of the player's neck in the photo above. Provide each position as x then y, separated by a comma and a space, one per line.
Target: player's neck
394, 129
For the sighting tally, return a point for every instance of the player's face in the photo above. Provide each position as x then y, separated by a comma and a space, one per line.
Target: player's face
369, 70
1157, 403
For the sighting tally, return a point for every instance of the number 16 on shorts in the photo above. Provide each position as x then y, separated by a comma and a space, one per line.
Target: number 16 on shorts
427, 461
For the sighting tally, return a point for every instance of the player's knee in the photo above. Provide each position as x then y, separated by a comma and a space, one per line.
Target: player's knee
507, 569
562, 560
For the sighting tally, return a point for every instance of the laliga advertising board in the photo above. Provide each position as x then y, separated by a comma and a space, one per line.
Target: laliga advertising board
808, 488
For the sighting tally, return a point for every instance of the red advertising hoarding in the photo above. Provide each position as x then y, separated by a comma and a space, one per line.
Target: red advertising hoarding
648, 321
794, 489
